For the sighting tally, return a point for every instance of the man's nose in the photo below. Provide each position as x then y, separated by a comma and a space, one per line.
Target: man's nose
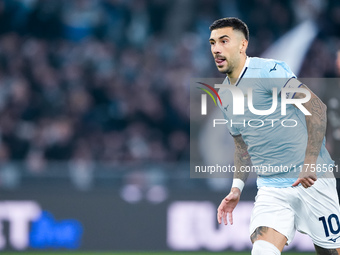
216, 49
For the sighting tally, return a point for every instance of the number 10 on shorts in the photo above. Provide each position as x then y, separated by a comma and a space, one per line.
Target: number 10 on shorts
329, 224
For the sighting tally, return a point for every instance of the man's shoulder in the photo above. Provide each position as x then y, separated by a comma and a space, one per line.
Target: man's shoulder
268, 67
257, 66
260, 63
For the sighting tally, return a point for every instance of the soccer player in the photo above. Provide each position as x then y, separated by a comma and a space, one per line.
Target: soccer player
298, 197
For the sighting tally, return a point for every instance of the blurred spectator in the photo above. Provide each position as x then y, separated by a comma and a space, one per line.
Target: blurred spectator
80, 19
107, 80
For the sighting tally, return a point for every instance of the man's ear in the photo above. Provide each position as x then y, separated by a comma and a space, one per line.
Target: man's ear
244, 45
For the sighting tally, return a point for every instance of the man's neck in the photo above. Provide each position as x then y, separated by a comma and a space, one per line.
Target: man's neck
236, 73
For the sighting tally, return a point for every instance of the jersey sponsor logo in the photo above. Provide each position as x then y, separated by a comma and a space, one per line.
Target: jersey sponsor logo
273, 69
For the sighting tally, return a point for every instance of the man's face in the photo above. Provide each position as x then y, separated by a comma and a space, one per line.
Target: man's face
226, 45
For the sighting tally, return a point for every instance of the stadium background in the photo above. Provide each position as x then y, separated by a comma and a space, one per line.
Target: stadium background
94, 118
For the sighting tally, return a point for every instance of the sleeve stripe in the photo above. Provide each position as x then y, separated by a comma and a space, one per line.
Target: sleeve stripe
288, 81
294, 86
298, 87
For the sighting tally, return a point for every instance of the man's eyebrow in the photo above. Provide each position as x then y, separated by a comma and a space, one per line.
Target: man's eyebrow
224, 36
221, 37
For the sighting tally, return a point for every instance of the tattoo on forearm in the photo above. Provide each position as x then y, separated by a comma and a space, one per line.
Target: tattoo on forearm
258, 232
322, 251
242, 158
239, 161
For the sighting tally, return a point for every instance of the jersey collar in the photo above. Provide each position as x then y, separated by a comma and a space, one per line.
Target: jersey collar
245, 67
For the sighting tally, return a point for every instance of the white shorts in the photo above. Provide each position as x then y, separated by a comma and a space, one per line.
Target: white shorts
313, 211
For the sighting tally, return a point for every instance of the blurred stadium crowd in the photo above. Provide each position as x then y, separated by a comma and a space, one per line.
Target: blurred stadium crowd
107, 80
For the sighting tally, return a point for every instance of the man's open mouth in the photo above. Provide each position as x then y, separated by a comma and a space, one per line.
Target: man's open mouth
220, 60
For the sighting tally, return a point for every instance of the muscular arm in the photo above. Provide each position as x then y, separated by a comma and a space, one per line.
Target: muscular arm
316, 124
316, 129
241, 158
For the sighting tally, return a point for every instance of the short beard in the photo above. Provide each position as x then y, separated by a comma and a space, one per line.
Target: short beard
228, 71
230, 68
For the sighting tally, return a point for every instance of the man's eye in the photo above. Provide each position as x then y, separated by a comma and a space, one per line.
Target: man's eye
212, 43
224, 41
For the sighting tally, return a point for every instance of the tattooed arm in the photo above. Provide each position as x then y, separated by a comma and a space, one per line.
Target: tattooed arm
241, 158
316, 129
229, 203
